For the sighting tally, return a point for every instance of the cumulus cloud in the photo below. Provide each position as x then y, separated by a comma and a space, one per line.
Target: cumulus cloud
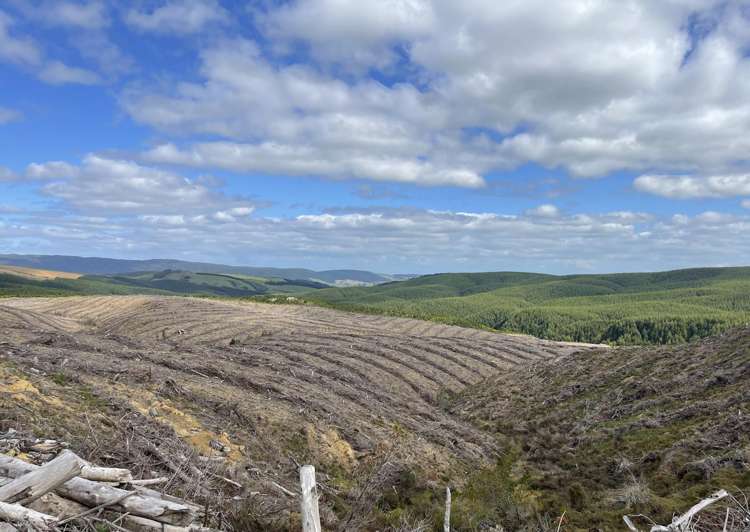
15, 48
544, 211
746, 203
295, 120
87, 15
57, 73
90, 14
50, 170
108, 185
178, 16
351, 34
591, 87
687, 187
25, 52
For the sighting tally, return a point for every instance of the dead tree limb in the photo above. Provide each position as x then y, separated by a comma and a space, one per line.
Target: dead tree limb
16, 514
29, 487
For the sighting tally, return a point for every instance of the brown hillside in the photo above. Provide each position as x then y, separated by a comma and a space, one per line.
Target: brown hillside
275, 385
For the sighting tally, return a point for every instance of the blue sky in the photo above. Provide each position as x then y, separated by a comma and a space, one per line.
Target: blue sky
391, 135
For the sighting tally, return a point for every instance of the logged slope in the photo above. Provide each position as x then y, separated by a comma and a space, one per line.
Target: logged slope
665, 307
340, 390
622, 431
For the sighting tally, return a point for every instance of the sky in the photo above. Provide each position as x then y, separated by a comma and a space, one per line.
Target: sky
398, 136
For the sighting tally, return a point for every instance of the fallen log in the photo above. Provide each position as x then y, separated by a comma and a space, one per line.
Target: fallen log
106, 474
7, 527
19, 515
90, 493
32, 485
148, 481
141, 524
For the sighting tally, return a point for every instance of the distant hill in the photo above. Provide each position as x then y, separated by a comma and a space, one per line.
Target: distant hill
635, 430
104, 266
33, 273
30, 282
182, 282
663, 307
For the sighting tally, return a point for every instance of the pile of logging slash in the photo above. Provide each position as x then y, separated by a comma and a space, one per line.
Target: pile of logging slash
68, 493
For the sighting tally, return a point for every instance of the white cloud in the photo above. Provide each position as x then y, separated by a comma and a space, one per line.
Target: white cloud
544, 211
86, 15
312, 160
685, 187
746, 203
24, 52
57, 73
178, 16
593, 87
352, 34
403, 240
9, 115
51, 170
16, 49
294, 120
107, 185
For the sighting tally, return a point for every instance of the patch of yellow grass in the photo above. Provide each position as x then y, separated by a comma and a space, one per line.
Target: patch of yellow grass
186, 426
331, 447
33, 273
22, 390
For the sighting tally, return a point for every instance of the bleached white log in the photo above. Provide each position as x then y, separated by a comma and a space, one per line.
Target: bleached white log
7, 527
18, 515
29, 487
141, 524
90, 493
309, 500
149, 481
106, 474
682, 522
447, 517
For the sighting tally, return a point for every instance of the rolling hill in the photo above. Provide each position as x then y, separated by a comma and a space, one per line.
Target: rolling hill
663, 307
105, 266
30, 282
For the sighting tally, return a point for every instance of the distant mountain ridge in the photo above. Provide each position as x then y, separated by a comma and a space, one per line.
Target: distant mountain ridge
106, 266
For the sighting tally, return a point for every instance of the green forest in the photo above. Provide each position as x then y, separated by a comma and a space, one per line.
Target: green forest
633, 308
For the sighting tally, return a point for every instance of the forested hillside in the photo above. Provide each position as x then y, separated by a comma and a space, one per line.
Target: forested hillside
665, 307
